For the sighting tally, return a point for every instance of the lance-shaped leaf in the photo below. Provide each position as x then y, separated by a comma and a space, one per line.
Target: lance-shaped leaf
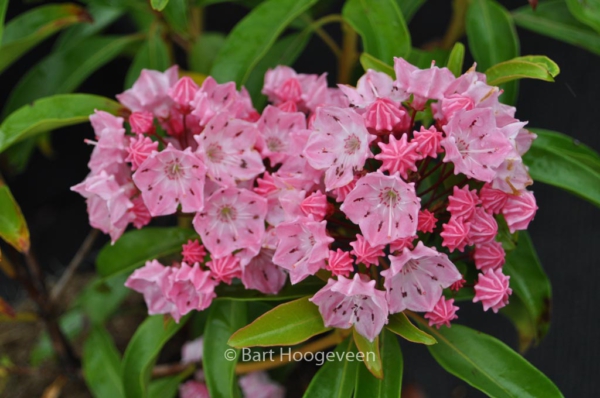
13, 227
561, 161
101, 298
530, 67
136, 247
30, 28
423, 59
553, 19
586, 11
370, 352
368, 386
456, 59
204, 51
237, 291
50, 113
381, 26
399, 324
3, 7
336, 378
287, 324
142, 352
530, 283
224, 318
152, 54
487, 363
370, 62
167, 387
159, 5
251, 38
101, 365
408, 8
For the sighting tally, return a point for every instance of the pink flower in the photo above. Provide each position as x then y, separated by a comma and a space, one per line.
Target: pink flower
183, 93
371, 87
232, 219
483, 229
226, 148
141, 122
386, 115
443, 312
355, 301
141, 215
456, 286
193, 389
339, 144
140, 148
170, 178
192, 351
213, 98
258, 385
426, 221
303, 247
489, 255
152, 281
225, 268
385, 207
315, 204
474, 144
455, 234
454, 103
110, 149
492, 289
259, 272
284, 84
193, 252
519, 210
416, 278
512, 176
190, 289
493, 200
398, 156
341, 193
462, 202
340, 263
275, 127
400, 244
365, 253
150, 92
424, 84
428, 142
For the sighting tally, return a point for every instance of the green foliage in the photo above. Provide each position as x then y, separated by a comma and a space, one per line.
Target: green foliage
336, 377
368, 386
159, 5
13, 227
586, 11
370, 62
401, 325
531, 67
204, 51
456, 59
101, 364
372, 355
409, 8
152, 54
237, 291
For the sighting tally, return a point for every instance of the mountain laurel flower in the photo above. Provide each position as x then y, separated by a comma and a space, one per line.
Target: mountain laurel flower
426, 221
150, 92
455, 234
141, 122
443, 312
489, 255
259, 385
340, 263
183, 93
483, 227
193, 252
427, 142
365, 253
492, 290
462, 202
153, 281
493, 200
519, 210
190, 289
140, 148
398, 156
225, 268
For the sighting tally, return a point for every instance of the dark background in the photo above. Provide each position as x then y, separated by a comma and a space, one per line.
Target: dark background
565, 230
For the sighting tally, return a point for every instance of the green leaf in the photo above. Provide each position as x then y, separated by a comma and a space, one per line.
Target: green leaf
518, 314
101, 365
287, 324
159, 5
101, 298
167, 387
456, 59
50, 113
519, 68
368, 386
586, 11
224, 318
423, 59
370, 62
530, 283
3, 7
558, 160
252, 37
492, 39
408, 8
13, 227
381, 26
553, 19
70, 323
204, 51
336, 377
30, 28
370, 352
135, 247
487, 363
542, 60
177, 15
142, 352
399, 324
152, 54
237, 291
63, 71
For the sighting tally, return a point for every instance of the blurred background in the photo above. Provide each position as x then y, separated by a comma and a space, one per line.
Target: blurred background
565, 231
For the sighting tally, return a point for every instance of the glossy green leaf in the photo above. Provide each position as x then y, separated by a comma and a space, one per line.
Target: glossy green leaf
224, 318
492, 39
558, 160
70, 323
237, 291
152, 54
586, 11
553, 19
530, 283
159, 5
551, 66
456, 59
135, 247
101, 365
423, 59
409, 8
370, 352
517, 313
204, 51
381, 26
519, 68
368, 386
287, 324
142, 352
336, 377
487, 364
13, 227
101, 298
403, 327
3, 7
168, 387
370, 62
32, 27
252, 37
63, 71
177, 15
50, 113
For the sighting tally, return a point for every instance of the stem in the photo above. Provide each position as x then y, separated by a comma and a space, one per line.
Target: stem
456, 28
432, 170
171, 369
349, 56
435, 186
316, 27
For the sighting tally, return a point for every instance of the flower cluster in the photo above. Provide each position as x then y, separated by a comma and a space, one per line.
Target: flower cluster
380, 189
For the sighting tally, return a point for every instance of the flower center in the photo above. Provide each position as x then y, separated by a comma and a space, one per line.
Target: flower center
174, 170
351, 144
274, 144
215, 153
389, 197
227, 213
